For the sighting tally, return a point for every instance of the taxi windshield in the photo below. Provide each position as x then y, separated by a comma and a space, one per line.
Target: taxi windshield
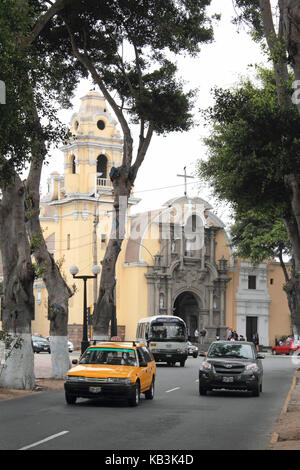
243, 351
109, 356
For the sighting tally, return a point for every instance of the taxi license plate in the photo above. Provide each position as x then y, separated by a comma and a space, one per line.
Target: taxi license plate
227, 379
95, 389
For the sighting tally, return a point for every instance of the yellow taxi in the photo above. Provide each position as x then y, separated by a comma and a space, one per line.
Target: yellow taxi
108, 368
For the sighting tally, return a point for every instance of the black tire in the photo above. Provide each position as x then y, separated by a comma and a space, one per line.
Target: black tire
182, 363
70, 399
256, 391
274, 352
195, 355
260, 388
202, 390
134, 399
149, 394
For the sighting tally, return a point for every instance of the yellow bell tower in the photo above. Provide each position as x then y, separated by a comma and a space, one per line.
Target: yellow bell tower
96, 147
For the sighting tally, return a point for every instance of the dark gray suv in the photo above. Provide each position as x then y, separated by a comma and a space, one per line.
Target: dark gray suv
232, 365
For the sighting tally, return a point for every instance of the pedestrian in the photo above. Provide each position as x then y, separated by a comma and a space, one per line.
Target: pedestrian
196, 335
242, 338
202, 335
255, 340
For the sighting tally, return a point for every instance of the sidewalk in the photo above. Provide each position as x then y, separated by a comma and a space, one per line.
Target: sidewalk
42, 364
287, 432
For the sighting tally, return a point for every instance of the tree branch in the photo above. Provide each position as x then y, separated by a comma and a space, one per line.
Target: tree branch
86, 62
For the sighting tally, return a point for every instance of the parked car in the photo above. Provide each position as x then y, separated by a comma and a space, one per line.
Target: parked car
70, 345
40, 344
231, 365
192, 349
112, 369
287, 347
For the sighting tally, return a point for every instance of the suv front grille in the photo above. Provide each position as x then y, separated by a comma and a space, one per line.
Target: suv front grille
234, 369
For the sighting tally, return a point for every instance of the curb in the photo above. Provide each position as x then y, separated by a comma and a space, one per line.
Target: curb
275, 436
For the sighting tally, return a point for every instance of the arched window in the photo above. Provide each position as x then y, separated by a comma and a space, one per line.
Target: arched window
73, 164
102, 166
194, 235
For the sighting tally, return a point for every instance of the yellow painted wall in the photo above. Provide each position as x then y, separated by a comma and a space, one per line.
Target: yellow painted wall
280, 320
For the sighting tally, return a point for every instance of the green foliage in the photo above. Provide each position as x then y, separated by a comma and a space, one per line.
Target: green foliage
248, 12
253, 144
39, 270
10, 340
259, 235
128, 42
36, 78
36, 241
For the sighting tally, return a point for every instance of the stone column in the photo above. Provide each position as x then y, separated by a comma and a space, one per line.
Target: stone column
169, 297
156, 308
222, 302
211, 305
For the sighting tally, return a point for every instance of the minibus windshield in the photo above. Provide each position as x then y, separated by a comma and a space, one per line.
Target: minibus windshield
167, 331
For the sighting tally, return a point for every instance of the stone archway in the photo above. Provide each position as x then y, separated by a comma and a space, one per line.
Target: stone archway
187, 307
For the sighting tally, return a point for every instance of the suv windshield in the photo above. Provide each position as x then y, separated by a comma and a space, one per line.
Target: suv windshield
40, 339
233, 349
109, 356
167, 331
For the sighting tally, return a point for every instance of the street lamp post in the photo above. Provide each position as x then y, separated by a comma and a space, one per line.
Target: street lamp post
74, 270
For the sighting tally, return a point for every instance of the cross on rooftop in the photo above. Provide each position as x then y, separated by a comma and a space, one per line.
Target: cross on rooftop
185, 176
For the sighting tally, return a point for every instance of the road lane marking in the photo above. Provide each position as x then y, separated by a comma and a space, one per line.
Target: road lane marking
54, 436
172, 389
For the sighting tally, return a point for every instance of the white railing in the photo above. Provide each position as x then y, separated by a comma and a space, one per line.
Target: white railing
103, 182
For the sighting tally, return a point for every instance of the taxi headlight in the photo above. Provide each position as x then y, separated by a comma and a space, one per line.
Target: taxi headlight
119, 380
73, 378
253, 367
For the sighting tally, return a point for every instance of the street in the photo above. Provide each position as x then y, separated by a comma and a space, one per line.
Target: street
177, 418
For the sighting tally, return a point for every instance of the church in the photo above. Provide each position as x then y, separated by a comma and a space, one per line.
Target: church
175, 259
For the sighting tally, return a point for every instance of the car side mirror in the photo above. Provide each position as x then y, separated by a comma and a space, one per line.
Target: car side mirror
74, 361
143, 364
202, 353
260, 356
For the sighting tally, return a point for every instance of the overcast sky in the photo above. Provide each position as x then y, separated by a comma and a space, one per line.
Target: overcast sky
220, 64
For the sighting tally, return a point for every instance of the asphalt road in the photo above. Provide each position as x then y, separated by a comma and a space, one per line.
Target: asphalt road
177, 418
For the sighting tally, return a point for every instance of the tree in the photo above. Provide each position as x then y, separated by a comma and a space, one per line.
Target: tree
260, 235
141, 89
283, 48
253, 145
35, 81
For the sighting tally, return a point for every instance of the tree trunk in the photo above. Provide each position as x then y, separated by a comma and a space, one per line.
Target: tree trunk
18, 309
58, 290
105, 311
293, 286
289, 32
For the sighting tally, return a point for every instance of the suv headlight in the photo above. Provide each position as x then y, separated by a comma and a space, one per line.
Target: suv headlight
253, 367
206, 365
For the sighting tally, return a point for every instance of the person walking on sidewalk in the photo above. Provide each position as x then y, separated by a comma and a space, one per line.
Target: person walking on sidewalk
202, 335
255, 340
